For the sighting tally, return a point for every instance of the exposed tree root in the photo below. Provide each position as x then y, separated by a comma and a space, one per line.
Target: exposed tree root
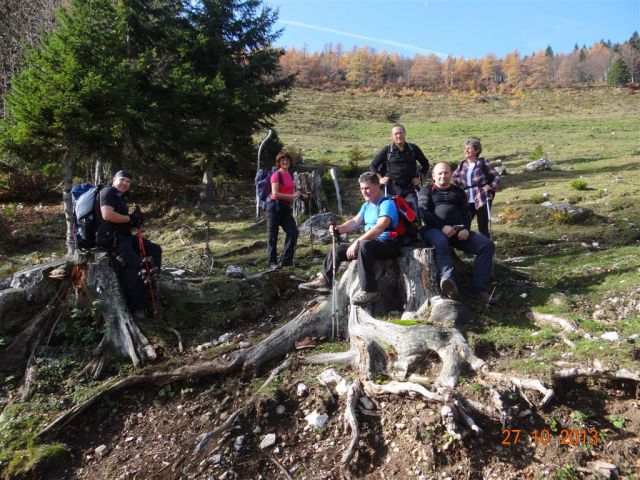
377, 347
354, 392
159, 379
25, 344
570, 371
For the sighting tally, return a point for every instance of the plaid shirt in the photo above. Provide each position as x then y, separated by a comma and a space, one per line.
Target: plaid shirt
478, 180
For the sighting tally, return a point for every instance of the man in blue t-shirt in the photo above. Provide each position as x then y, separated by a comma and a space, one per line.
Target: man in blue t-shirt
380, 217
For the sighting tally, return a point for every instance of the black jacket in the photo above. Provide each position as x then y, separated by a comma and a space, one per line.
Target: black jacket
400, 166
439, 206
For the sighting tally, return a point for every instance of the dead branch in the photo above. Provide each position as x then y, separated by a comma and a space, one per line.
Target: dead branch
353, 394
593, 372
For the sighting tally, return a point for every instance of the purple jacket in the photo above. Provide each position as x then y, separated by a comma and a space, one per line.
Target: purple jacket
483, 174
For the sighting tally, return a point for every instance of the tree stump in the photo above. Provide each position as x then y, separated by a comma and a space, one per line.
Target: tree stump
35, 303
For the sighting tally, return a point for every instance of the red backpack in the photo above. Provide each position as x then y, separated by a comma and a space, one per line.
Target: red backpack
407, 224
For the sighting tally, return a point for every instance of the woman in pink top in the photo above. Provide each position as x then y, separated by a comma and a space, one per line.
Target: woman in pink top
283, 192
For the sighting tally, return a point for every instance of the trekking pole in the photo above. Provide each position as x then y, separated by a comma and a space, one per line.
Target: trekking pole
489, 214
257, 170
335, 240
149, 282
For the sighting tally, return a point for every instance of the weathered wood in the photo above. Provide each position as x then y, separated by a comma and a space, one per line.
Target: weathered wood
16, 355
92, 278
122, 333
309, 183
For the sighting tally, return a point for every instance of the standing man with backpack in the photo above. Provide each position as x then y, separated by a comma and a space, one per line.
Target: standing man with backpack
379, 215
114, 234
396, 167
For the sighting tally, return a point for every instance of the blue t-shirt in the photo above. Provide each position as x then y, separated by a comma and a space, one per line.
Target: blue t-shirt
383, 208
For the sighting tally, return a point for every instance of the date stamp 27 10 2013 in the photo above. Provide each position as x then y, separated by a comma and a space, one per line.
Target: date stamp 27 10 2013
511, 437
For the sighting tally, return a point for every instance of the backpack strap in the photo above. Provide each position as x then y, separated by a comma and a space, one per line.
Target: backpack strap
390, 228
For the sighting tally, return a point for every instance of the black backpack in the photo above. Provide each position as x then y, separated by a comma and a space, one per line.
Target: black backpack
263, 185
86, 214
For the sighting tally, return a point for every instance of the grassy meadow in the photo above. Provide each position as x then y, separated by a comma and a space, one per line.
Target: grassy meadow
587, 271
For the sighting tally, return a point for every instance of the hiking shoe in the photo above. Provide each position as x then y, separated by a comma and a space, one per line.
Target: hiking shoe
363, 298
449, 287
319, 285
58, 274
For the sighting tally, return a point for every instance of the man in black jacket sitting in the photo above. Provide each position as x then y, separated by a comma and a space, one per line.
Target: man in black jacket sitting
114, 234
444, 208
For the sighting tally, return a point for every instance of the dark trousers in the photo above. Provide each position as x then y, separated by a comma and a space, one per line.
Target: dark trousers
279, 215
127, 254
408, 193
368, 252
483, 218
476, 244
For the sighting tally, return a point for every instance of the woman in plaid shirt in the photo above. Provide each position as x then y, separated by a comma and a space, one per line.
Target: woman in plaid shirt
480, 181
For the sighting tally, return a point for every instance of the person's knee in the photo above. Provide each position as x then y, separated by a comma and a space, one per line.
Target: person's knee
365, 246
487, 245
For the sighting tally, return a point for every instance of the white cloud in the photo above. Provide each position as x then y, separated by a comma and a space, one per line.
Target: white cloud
363, 37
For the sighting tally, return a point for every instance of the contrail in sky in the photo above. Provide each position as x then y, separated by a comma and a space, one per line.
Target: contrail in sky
363, 37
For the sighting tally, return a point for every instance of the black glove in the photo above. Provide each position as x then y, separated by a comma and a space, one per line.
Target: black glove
136, 217
336, 232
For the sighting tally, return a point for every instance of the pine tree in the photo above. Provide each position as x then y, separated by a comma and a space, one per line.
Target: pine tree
618, 73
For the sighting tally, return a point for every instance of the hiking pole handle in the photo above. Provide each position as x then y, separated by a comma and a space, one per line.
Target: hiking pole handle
336, 232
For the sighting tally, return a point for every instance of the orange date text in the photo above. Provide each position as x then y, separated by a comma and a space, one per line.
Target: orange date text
511, 437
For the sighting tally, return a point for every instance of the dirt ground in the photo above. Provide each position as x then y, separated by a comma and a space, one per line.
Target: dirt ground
152, 434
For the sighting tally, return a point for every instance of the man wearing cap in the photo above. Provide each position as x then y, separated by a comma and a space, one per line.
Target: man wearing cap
115, 235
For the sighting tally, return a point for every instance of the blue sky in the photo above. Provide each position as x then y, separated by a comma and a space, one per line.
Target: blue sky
467, 28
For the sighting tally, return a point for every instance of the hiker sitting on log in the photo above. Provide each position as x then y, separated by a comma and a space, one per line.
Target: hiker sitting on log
380, 218
444, 208
114, 234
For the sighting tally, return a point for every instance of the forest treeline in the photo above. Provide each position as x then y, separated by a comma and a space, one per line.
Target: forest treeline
335, 68
174, 87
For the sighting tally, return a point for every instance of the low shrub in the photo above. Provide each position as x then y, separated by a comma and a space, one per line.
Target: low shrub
538, 198
578, 184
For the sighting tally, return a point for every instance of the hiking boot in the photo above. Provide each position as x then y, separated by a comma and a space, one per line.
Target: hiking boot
319, 285
449, 287
363, 298
58, 274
